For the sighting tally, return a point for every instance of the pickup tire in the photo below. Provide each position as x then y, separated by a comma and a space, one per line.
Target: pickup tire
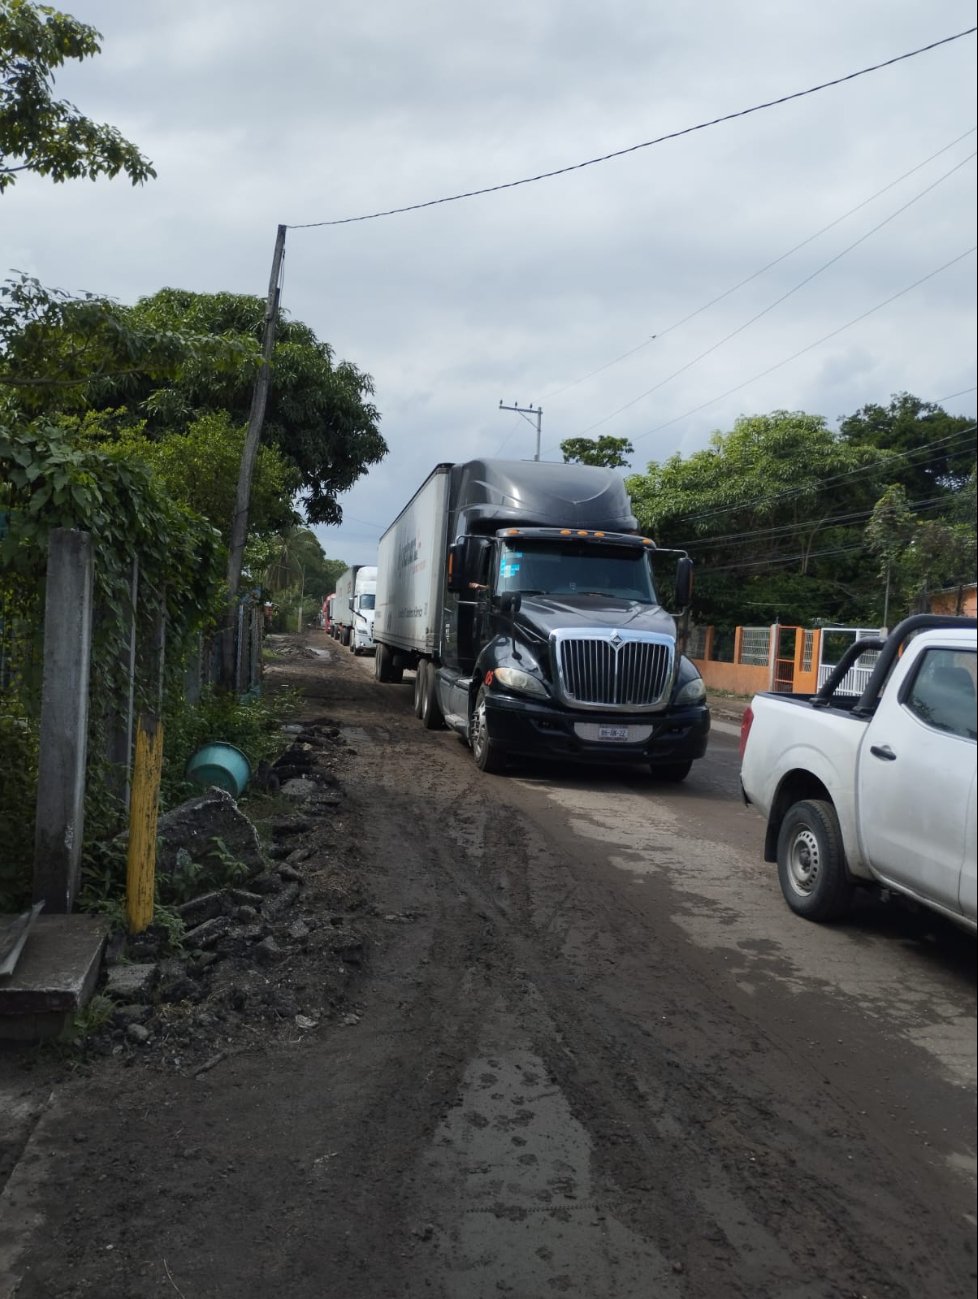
812, 863
487, 754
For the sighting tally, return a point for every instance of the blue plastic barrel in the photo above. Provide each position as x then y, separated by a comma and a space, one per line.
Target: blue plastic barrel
220, 764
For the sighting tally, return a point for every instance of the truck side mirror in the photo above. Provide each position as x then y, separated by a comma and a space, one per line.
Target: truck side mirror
455, 572
468, 563
509, 603
684, 582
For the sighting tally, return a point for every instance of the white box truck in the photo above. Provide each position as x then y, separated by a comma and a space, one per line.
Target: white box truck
353, 608
524, 599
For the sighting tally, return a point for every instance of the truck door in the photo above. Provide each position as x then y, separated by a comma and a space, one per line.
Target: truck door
916, 781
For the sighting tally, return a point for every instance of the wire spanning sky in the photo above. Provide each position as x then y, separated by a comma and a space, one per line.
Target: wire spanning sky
814, 255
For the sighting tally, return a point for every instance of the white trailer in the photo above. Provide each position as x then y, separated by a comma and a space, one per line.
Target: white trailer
411, 578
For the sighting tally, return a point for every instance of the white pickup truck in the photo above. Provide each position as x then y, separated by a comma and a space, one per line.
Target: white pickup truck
875, 790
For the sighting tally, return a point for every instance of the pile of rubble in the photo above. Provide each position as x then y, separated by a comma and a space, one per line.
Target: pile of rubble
270, 956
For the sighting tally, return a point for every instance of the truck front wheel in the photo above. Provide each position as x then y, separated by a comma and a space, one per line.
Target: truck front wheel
486, 752
811, 862
431, 714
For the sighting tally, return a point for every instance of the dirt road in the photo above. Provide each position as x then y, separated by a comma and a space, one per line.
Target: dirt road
589, 1053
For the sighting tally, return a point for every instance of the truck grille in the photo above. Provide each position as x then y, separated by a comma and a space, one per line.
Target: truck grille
613, 670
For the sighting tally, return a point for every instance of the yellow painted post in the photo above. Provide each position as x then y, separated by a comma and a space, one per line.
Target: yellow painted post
144, 805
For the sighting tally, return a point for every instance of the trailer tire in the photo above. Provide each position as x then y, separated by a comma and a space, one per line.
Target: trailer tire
812, 862
487, 754
431, 714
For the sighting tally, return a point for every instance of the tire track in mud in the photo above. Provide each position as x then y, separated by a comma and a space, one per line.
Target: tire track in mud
693, 1148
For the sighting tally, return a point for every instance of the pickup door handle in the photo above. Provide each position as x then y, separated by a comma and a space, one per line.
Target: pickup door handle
882, 751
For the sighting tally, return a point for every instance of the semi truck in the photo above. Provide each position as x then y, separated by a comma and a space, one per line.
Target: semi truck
524, 598
353, 608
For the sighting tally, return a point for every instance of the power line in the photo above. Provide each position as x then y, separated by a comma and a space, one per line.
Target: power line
646, 144
817, 343
660, 334
783, 298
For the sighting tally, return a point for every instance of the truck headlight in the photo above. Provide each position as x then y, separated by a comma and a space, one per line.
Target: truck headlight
520, 681
693, 692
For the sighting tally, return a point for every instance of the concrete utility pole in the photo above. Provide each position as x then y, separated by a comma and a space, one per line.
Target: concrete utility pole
256, 417
528, 410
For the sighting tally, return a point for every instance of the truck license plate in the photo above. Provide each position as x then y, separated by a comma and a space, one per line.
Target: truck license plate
618, 733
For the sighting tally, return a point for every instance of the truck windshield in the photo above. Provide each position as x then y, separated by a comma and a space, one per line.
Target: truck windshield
572, 568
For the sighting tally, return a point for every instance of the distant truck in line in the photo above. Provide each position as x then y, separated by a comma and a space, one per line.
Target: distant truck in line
523, 597
877, 790
353, 608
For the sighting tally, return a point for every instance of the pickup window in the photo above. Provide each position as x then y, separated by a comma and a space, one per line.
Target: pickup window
942, 692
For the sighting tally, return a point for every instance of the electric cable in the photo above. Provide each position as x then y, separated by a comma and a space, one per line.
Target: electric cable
634, 148
660, 334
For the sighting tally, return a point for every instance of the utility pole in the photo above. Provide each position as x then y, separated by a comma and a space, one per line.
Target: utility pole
256, 417
524, 411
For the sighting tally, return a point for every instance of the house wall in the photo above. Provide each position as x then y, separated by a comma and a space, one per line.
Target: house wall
736, 678
947, 602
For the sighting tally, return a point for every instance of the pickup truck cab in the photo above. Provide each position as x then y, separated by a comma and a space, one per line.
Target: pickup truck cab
877, 790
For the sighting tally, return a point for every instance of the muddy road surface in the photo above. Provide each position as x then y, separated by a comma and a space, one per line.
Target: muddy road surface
588, 1053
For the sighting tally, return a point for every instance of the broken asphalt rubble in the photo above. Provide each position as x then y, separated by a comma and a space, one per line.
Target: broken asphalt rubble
271, 954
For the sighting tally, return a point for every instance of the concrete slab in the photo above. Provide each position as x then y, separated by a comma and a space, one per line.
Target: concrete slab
54, 977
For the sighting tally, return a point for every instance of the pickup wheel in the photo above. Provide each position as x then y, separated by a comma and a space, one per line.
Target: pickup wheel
811, 862
486, 752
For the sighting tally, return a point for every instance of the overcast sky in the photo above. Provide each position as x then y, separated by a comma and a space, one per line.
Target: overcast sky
576, 293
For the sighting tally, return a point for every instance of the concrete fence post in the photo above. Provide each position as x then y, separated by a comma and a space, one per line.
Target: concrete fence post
60, 820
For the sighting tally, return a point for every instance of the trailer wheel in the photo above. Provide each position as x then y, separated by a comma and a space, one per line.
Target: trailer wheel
811, 862
431, 714
384, 669
487, 754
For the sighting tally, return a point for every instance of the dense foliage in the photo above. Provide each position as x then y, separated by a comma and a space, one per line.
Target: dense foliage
775, 514
319, 415
37, 132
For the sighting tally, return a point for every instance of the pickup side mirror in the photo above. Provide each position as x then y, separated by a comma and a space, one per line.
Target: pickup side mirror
684, 582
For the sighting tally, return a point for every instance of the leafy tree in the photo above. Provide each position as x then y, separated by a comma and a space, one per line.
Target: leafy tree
37, 132
767, 512
199, 468
610, 452
319, 414
933, 452
919, 555
59, 352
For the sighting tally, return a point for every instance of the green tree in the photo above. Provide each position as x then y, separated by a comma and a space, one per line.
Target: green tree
610, 452
767, 511
319, 413
920, 555
37, 132
933, 452
199, 468
59, 352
